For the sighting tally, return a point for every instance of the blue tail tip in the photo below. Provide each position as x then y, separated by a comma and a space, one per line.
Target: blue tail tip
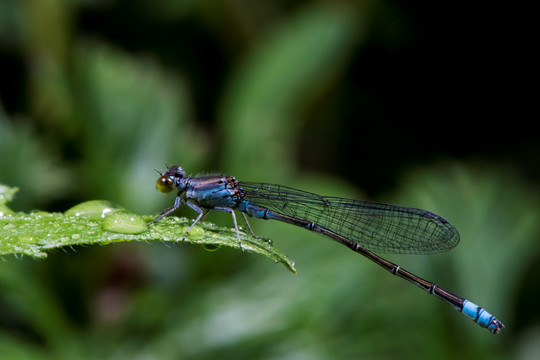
482, 317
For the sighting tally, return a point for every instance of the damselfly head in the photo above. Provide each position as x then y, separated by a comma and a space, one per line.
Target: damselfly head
170, 179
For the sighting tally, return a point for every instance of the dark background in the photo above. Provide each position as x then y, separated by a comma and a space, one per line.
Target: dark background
425, 104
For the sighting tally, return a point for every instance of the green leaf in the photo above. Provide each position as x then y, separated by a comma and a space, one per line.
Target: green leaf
290, 67
102, 222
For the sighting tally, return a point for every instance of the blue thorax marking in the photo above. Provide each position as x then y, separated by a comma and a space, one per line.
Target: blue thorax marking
211, 191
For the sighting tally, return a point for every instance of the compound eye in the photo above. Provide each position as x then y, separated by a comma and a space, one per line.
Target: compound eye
165, 184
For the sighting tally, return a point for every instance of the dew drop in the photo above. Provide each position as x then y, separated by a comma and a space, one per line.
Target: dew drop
93, 209
26, 239
124, 222
211, 247
196, 234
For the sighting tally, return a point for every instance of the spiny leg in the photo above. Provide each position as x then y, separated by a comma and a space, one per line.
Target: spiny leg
201, 216
249, 227
166, 212
235, 225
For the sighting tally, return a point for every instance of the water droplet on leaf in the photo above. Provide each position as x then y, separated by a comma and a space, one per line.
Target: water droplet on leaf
94, 209
124, 222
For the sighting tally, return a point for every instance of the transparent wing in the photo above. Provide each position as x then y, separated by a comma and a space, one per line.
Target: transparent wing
375, 226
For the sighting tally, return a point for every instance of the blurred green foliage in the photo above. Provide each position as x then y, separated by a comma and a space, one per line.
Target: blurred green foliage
95, 95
